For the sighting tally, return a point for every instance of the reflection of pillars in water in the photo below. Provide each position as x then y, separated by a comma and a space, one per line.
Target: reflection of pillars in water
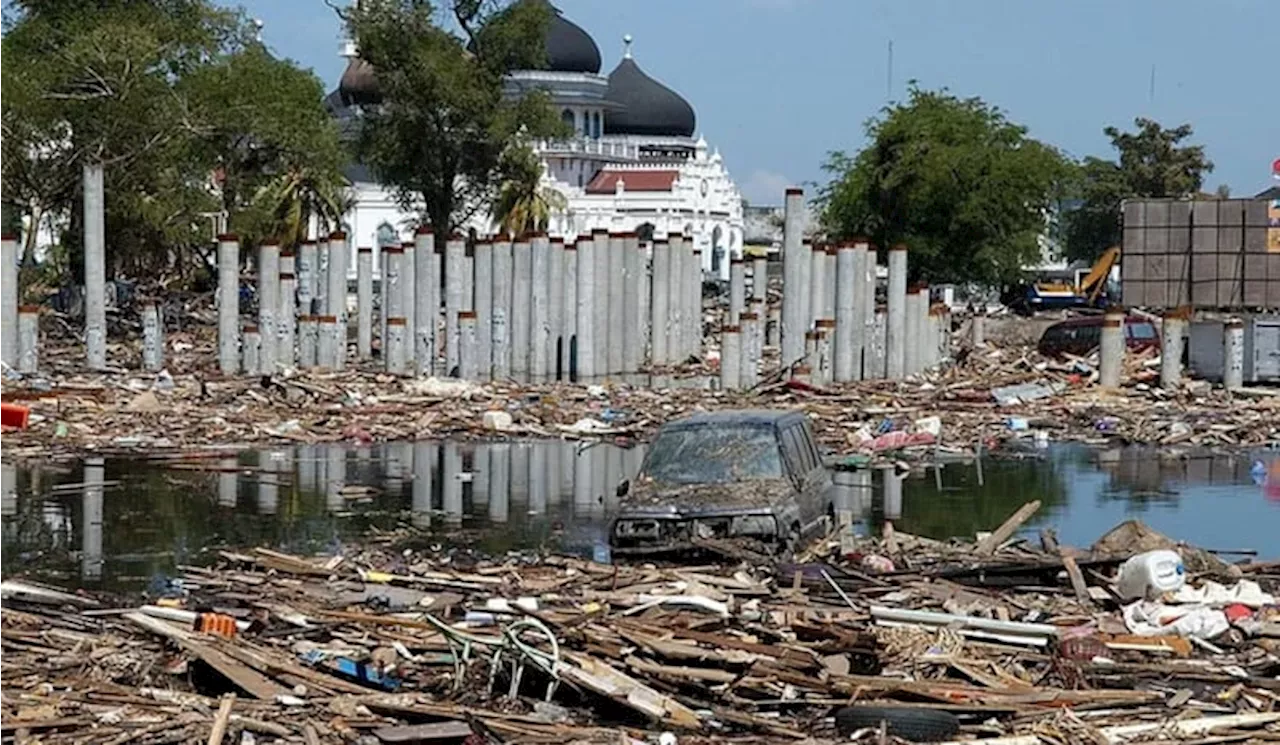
393, 469
451, 482
423, 457
554, 492
8, 489
519, 471
581, 482
598, 458
499, 482
307, 469
538, 478
268, 493
567, 453
479, 478
91, 521
335, 473
228, 481
613, 475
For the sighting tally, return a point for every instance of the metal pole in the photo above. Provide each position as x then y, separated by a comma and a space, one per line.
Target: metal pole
617, 304
95, 268
152, 338
1171, 345
539, 308
484, 309
364, 303
228, 304
632, 330
521, 308
426, 300
585, 347
268, 304
660, 306
1233, 355
454, 287
27, 337
9, 303
730, 356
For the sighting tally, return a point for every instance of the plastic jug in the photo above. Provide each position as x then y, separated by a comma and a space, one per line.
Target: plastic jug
1151, 574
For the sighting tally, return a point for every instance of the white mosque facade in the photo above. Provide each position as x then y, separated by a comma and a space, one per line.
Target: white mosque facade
634, 163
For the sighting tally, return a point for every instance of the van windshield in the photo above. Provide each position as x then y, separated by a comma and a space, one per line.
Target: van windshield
714, 455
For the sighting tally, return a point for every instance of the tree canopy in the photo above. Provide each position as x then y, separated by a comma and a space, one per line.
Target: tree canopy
1152, 163
441, 133
189, 114
967, 190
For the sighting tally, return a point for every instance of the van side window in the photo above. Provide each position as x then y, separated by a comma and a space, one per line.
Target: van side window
796, 441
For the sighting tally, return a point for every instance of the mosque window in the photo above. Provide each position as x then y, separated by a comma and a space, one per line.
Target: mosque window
567, 117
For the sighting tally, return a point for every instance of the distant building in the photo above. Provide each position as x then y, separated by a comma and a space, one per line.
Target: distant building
632, 164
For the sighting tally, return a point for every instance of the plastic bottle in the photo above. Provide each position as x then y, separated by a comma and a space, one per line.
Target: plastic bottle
1151, 574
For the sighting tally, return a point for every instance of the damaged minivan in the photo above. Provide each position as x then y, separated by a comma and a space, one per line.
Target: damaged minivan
729, 474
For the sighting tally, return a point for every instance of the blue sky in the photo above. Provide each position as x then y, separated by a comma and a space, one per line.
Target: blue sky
776, 84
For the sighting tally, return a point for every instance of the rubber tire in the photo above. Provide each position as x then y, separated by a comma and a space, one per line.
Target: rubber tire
917, 725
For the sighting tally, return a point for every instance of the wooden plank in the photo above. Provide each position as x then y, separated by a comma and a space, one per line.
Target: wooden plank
432, 732
992, 542
249, 680
1077, 579
220, 722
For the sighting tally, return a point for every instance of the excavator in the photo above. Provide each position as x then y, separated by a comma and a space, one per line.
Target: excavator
1088, 291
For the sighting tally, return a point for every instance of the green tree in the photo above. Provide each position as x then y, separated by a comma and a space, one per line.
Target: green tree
963, 187
439, 134
1152, 162
524, 204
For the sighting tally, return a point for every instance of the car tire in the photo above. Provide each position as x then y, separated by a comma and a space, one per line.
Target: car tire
917, 725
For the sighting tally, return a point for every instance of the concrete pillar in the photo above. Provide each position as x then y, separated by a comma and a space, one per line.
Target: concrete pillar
756, 342
393, 299
268, 304
793, 307
632, 335
455, 260
364, 303
468, 350
676, 299
737, 289
618, 340
320, 285
328, 338
27, 337
287, 314
660, 308
933, 354
829, 292
336, 295
228, 304
914, 337
817, 284
521, 308
9, 299
749, 326
1112, 349
539, 308
759, 278
826, 331
569, 312
95, 268
555, 310
896, 331
308, 340
924, 343
409, 291
878, 348
152, 338
806, 284
586, 290
426, 299
1171, 344
693, 334
642, 283
774, 330
394, 354
845, 315
252, 359
500, 334
1233, 355
730, 356
978, 328
380, 261
870, 266
601, 320
483, 267
307, 271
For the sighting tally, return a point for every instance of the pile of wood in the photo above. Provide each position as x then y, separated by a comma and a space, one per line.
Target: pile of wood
995, 638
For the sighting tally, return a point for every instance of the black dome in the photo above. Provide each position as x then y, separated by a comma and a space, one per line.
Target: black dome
569, 48
650, 108
358, 86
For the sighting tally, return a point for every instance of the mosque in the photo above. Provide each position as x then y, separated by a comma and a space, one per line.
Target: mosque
633, 164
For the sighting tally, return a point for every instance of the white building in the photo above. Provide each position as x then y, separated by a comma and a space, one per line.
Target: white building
633, 164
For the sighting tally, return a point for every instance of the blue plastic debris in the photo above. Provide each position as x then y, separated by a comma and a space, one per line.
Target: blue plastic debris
356, 672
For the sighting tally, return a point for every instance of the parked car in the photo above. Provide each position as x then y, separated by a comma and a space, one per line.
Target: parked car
1080, 336
728, 474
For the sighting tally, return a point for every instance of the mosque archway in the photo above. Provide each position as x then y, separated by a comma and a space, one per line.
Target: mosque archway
645, 232
717, 250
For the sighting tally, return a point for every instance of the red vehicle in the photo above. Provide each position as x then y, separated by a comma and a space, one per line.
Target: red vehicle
1080, 336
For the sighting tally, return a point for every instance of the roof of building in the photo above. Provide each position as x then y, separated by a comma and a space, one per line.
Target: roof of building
358, 85
569, 47
606, 181
649, 107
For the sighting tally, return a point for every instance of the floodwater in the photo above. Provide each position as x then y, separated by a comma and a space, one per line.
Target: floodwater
128, 524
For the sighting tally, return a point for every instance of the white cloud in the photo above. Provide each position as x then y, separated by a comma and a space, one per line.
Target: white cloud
765, 187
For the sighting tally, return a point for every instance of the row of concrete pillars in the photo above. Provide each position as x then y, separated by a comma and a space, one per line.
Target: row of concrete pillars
531, 310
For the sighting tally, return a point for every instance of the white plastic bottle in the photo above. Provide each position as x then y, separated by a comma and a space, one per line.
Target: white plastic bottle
1151, 574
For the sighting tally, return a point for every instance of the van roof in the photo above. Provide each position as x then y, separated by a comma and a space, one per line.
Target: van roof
753, 417
1096, 321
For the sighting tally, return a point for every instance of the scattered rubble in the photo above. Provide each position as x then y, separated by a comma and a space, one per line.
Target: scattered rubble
896, 636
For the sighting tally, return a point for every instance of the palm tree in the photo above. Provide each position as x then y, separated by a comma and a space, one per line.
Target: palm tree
291, 199
525, 204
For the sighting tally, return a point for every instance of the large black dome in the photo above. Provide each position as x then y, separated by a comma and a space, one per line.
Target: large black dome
569, 48
358, 86
649, 107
